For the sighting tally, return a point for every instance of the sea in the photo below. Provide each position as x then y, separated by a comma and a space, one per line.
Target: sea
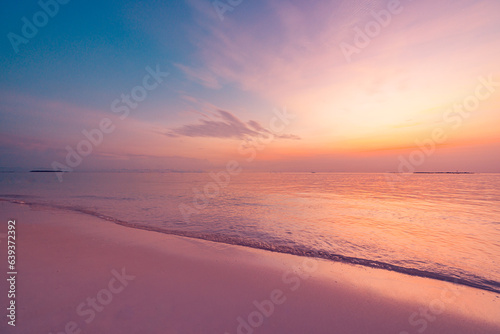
440, 226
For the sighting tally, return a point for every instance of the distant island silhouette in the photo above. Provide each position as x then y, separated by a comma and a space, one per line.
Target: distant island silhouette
443, 172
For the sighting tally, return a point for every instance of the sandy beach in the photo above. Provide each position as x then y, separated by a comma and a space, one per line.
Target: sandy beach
80, 274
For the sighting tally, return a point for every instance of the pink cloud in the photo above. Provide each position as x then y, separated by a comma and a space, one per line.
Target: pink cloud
225, 125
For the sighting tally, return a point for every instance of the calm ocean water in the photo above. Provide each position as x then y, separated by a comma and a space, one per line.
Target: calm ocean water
439, 226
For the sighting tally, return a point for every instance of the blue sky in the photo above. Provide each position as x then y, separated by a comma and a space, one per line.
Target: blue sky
89, 51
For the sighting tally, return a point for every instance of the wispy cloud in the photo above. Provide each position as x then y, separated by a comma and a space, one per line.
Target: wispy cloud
202, 76
226, 125
292, 57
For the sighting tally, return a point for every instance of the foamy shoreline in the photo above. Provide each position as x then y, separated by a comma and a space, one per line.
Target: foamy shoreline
79, 274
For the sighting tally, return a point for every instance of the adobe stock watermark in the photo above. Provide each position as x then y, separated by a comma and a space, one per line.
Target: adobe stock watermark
420, 321
122, 107
30, 28
263, 310
453, 118
223, 6
88, 309
248, 149
363, 36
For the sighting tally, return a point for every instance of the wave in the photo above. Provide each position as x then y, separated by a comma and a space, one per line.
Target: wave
474, 282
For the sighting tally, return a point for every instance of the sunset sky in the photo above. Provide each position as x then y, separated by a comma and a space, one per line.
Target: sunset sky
233, 69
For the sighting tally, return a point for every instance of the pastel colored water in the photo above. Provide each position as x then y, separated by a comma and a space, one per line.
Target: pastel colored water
439, 226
